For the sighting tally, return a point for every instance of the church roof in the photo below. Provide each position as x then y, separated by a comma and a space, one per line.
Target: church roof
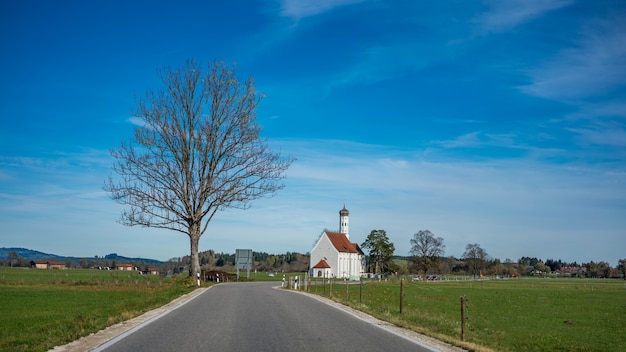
322, 264
344, 211
342, 244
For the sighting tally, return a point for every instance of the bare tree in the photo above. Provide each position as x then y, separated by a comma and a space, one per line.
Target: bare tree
475, 257
12, 257
426, 250
198, 151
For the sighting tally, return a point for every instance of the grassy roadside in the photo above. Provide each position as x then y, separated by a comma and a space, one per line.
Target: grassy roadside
41, 309
504, 315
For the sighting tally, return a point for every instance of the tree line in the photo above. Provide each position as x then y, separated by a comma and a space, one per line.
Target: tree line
210, 259
285, 262
427, 257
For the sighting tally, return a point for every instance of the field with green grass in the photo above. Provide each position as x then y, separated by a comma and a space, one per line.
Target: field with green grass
44, 308
503, 315
41, 309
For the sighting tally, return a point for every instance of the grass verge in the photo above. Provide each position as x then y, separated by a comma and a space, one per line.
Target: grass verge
503, 315
39, 311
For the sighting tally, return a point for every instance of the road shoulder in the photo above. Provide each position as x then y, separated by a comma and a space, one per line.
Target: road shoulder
420, 339
93, 341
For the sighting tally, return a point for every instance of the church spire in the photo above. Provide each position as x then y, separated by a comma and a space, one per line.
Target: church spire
343, 221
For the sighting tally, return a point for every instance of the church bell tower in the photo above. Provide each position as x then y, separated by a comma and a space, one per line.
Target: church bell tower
343, 221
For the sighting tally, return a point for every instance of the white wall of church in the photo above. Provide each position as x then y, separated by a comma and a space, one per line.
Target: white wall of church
325, 249
342, 264
349, 265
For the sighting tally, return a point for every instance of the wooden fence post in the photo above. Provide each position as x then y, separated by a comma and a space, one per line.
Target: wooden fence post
330, 285
361, 290
463, 300
401, 294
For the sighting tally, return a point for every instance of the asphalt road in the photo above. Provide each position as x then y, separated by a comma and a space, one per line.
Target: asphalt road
257, 317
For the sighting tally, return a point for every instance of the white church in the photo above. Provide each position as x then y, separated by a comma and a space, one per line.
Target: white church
333, 255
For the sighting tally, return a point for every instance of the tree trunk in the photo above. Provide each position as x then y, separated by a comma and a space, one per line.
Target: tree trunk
194, 238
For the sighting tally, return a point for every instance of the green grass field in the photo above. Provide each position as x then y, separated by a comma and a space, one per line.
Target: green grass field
27, 276
41, 309
503, 315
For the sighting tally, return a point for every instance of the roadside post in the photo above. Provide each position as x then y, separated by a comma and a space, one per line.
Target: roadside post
307, 283
463, 300
361, 290
401, 294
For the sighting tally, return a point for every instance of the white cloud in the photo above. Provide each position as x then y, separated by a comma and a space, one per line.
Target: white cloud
606, 108
533, 205
479, 139
526, 201
590, 77
298, 9
593, 68
505, 15
469, 140
381, 62
602, 134
137, 121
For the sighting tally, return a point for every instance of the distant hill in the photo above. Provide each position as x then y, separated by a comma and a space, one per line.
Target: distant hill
33, 254
119, 258
27, 253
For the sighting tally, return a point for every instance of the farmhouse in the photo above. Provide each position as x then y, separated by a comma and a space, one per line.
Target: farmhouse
124, 267
46, 264
151, 271
333, 255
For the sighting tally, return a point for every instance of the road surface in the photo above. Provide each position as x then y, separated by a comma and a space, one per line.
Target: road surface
258, 317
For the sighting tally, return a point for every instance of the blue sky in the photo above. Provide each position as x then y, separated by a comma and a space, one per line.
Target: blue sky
501, 123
